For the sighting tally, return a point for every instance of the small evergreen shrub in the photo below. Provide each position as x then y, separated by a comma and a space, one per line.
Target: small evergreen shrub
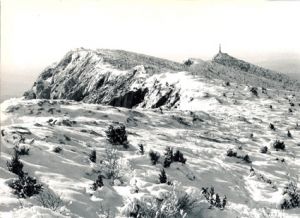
291, 196
246, 158
214, 198
98, 183
264, 149
254, 91
141, 149
289, 134
178, 157
49, 200
154, 157
271, 126
22, 149
188, 62
231, 153
163, 176
93, 156
57, 149
117, 135
25, 186
175, 205
279, 145
110, 164
168, 157
15, 165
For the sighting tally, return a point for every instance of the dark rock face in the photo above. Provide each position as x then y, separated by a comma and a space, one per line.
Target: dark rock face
129, 99
102, 76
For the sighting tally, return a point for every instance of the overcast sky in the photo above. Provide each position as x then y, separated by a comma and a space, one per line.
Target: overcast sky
36, 33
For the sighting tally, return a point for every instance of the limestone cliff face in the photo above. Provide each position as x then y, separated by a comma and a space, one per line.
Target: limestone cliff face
110, 77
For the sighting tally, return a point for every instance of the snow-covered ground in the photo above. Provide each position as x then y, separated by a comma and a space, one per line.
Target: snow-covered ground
210, 119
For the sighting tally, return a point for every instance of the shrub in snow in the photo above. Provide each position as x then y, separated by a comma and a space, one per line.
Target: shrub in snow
188, 62
141, 149
178, 157
25, 186
15, 165
279, 145
289, 134
57, 149
117, 135
98, 183
231, 153
22, 149
254, 91
271, 126
264, 149
168, 157
154, 157
290, 110
110, 164
175, 204
291, 196
93, 156
246, 158
105, 212
163, 176
49, 200
214, 198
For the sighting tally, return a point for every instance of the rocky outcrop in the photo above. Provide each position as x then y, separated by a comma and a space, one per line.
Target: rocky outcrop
110, 77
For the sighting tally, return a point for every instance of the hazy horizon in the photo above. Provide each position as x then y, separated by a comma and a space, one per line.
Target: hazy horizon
34, 34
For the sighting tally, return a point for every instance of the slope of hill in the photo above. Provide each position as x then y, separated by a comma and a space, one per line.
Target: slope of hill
228, 68
235, 125
219, 118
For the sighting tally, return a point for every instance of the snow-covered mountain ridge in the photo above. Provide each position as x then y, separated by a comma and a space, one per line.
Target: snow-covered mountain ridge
126, 79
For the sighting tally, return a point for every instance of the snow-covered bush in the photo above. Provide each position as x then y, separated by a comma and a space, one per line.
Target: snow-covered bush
141, 149
247, 159
93, 156
271, 126
168, 157
154, 157
254, 91
279, 145
22, 149
188, 62
49, 199
110, 165
15, 165
176, 204
214, 198
25, 186
178, 157
163, 176
57, 149
291, 196
98, 183
264, 149
231, 153
117, 135
105, 212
